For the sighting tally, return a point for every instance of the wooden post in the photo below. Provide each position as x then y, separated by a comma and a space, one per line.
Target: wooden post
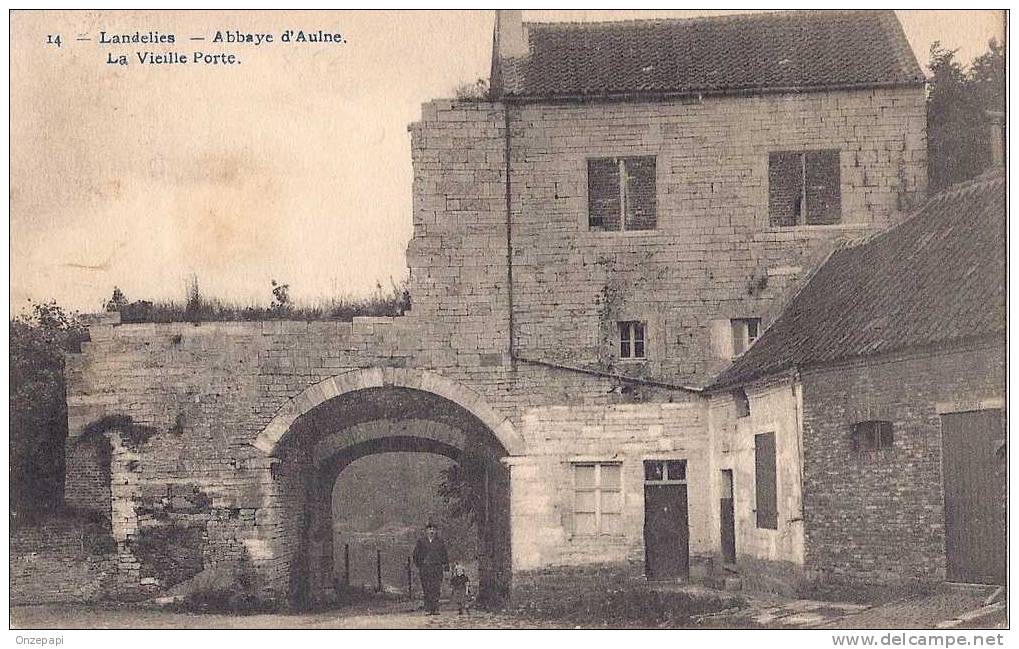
378, 570
346, 564
410, 581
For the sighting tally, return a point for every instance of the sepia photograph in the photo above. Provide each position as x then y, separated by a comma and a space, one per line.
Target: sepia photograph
560, 319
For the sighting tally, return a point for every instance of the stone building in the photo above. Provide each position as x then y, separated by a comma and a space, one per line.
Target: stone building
881, 392
592, 245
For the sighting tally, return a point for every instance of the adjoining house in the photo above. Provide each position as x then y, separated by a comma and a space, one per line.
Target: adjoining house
593, 245
860, 437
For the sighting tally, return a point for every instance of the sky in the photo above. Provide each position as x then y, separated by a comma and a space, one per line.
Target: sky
292, 165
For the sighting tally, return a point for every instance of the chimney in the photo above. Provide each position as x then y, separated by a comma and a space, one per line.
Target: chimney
996, 122
510, 36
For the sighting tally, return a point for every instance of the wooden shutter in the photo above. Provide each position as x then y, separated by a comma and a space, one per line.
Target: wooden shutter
603, 193
641, 201
785, 185
824, 199
767, 494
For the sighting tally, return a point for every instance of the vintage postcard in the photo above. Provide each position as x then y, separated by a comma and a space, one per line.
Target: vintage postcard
509, 319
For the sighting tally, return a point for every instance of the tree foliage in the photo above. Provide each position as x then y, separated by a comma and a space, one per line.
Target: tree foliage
958, 124
462, 489
38, 409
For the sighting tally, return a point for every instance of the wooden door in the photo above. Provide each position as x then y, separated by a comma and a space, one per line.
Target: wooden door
666, 532
727, 516
974, 482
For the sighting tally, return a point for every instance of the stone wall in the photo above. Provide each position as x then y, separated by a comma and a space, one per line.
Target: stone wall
713, 254
543, 481
87, 484
205, 394
216, 401
882, 518
65, 560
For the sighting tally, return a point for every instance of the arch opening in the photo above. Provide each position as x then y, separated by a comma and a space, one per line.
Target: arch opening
373, 425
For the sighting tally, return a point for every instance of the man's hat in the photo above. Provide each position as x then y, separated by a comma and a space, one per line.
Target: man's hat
430, 525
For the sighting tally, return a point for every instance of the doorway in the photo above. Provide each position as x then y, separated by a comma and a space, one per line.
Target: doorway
727, 516
974, 481
666, 523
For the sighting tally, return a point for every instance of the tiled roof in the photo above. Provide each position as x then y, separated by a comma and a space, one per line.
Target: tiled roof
937, 277
796, 50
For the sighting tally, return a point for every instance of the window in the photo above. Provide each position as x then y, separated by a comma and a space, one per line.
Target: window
765, 481
872, 436
803, 188
631, 339
621, 193
742, 402
664, 470
744, 332
598, 499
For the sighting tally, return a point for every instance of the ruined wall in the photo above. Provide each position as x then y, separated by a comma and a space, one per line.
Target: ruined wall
62, 560
713, 235
882, 518
87, 483
457, 256
198, 396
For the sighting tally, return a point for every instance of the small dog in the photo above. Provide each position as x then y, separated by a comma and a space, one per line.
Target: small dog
461, 585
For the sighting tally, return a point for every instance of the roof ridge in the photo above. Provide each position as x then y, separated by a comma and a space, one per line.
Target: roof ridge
784, 13
904, 53
952, 192
991, 176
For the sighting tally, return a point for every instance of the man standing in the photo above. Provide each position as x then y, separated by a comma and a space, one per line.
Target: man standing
431, 560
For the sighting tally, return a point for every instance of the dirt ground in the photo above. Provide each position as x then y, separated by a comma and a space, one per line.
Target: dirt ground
919, 612
390, 615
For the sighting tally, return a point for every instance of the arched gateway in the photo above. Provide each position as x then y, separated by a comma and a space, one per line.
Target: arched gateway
330, 425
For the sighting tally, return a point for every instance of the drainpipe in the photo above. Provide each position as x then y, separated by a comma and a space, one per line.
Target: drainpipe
509, 235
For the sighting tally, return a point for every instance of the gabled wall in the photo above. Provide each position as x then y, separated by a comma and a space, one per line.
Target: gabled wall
713, 255
766, 558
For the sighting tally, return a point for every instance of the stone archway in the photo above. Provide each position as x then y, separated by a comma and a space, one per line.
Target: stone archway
376, 377
332, 424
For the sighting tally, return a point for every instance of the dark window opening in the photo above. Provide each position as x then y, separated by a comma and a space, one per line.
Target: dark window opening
765, 476
664, 470
742, 403
804, 188
621, 193
631, 339
745, 332
871, 436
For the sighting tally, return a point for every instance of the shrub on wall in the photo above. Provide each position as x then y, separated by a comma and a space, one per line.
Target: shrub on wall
38, 410
171, 554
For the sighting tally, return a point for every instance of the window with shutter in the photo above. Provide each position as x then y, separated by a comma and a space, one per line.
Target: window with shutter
823, 197
640, 193
765, 481
745, 332
603, 206
804, 188
621, 193
871, 436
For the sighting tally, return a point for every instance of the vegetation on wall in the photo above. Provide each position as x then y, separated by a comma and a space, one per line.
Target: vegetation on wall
170, 553
393, 301
131, 434
958, 124
38, 409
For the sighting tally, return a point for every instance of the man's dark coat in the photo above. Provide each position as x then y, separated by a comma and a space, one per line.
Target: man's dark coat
431, 559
